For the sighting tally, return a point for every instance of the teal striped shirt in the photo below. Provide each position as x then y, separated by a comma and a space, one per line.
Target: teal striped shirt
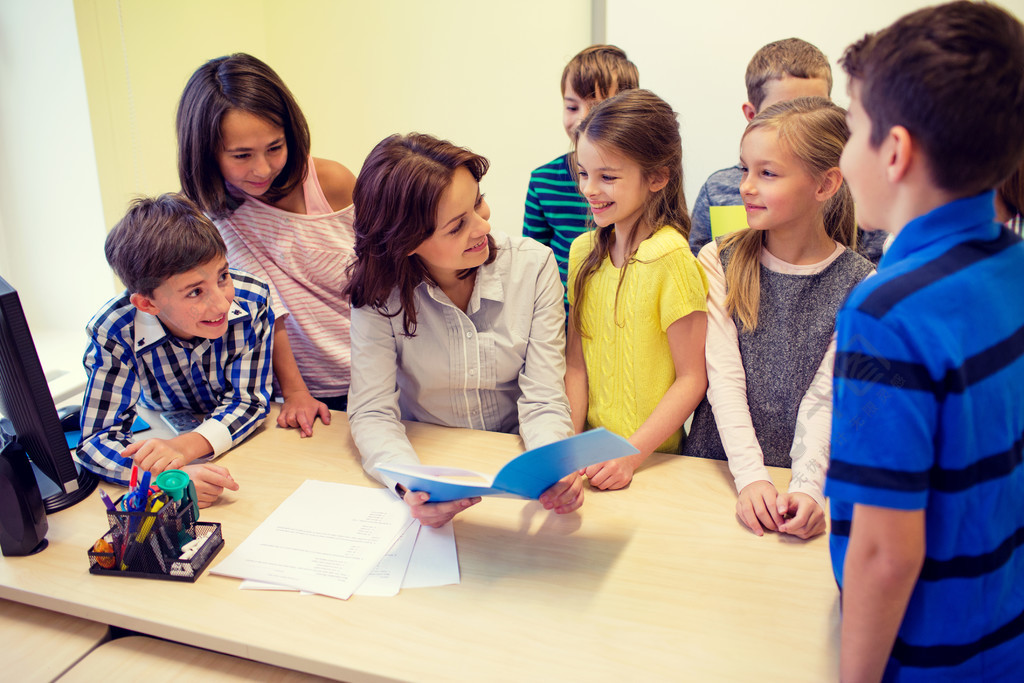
555, 213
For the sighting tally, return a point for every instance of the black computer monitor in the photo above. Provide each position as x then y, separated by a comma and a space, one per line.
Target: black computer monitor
26, 401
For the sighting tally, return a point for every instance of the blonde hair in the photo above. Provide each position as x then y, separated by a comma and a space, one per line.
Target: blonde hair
814, 131
642, 127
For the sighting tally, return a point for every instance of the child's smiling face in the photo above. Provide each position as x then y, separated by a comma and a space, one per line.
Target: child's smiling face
195, 303
613, 184
778, 192
253, 152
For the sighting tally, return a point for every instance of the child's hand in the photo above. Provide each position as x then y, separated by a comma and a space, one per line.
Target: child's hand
435, 514
300, 409
210, 481
802, 515
612, 474
565, 495
757, 507
155, 455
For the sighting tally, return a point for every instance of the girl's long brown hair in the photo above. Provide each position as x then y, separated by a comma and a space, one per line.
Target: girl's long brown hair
241, 82
813, 130
642, 127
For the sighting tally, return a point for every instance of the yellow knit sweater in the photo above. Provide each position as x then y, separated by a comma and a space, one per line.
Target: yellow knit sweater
629, 365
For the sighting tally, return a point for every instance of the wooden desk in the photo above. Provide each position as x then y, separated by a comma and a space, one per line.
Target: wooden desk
40, 645
137, 658
656, 582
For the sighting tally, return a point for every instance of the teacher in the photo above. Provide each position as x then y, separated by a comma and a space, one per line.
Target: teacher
450, 325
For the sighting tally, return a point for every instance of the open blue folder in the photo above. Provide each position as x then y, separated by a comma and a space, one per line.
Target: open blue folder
526, 476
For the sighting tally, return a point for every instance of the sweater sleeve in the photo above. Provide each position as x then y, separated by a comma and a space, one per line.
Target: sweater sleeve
810, 449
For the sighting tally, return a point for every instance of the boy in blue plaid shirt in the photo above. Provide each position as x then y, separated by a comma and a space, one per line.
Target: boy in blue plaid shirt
187, 334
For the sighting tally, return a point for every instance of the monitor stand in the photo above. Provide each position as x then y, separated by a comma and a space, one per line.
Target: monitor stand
55, 500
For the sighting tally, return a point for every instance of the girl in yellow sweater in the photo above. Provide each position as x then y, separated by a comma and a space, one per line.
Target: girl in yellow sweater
635, 357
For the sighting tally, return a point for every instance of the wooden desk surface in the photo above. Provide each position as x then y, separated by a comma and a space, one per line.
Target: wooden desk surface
656, 582
40, 645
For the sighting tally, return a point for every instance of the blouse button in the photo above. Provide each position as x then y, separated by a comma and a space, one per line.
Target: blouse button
469, 335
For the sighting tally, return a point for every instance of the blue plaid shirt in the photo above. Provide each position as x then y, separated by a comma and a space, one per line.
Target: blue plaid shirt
133, 359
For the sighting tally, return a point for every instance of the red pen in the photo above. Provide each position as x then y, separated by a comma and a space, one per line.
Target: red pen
135, 477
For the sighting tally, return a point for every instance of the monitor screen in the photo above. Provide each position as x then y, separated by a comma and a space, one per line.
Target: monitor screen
26, 401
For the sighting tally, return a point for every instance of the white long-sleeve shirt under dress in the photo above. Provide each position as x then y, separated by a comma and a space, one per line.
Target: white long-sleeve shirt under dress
499, 366
727, 388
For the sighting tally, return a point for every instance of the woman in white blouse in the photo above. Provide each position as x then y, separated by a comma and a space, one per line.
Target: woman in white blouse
450, 325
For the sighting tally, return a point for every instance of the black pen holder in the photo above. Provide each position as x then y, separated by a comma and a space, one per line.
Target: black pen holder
165, 543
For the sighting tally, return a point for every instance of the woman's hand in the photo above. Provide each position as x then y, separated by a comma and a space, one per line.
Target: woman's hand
435, 514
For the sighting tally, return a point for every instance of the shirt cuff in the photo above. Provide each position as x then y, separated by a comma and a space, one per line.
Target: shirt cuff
811, 490
746, 479
217, 433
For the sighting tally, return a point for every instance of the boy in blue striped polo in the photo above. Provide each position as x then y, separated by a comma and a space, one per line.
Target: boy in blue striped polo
926, 480
187, 334
555, 212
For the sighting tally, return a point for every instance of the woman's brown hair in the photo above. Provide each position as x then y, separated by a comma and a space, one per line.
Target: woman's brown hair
396, 198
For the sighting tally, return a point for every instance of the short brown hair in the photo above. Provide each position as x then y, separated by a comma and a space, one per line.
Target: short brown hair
600, 71
241, 82
781, 58
396, 198
160, 237
953, 76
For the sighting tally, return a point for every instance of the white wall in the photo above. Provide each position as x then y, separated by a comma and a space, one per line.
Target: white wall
51, 220
695, 54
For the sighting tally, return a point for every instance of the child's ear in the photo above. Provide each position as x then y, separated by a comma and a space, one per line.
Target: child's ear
144, 303
658, 180
829, 185
900, 150
749, 112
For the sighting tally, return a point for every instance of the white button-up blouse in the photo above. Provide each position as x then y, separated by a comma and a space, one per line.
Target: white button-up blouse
498, 366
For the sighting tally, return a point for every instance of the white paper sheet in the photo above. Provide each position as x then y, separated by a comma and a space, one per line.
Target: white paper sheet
435, 560
386, 578
325, 538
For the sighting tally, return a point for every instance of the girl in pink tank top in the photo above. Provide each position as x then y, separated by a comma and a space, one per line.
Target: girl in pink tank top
286, 217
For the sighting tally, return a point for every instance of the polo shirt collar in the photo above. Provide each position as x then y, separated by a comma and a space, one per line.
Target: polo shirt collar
970, 218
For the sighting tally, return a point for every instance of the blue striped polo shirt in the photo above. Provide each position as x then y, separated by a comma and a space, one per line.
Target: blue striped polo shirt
929, 415
555, 212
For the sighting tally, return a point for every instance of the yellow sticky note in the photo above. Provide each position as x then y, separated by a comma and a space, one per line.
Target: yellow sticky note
726, 219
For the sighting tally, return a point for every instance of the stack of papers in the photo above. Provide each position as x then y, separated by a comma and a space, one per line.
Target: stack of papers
336, 540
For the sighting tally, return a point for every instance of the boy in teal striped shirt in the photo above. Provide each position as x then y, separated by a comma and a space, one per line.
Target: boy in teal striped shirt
555, 212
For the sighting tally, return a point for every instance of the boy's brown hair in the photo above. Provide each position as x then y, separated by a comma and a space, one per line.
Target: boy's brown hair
600, 71
160, 237
953, 76
788, 57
